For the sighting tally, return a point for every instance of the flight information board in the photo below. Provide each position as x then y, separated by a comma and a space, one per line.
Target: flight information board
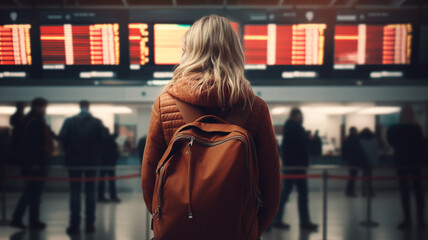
138, 43
15, 44
276, 44
167, 42
363, 44
70, 44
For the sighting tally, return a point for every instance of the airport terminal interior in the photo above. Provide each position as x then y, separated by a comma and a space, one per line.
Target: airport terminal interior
355, 70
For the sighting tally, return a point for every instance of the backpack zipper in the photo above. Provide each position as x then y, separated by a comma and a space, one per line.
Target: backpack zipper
191, 140
189, 167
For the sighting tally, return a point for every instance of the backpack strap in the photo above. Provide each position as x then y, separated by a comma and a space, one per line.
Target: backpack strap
190, 113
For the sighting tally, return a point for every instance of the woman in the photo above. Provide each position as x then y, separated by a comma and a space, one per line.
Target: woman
211, 77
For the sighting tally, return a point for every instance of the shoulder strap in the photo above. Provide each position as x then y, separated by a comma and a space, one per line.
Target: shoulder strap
190, 113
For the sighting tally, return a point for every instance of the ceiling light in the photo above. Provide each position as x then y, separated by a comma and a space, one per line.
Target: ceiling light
69, 109
7, 110
336, 110
280, 110
379, 110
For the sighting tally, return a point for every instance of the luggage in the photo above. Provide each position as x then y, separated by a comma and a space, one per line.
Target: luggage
207, 180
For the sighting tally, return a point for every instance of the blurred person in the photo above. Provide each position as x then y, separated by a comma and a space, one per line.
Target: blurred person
295, 150
109, 157
370, 148
4, 144
211, 77
82, 136
35, 149
141, 145
16, 121
353, 155
407, 140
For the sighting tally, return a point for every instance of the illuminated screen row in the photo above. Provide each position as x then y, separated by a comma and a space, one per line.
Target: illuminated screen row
96, 44
373, 44
272, 44
167, 43
268, 44
15, 46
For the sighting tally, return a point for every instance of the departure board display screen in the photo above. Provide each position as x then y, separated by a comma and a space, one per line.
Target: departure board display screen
277, 44
167, 40
167, 43
78, 44
138, 43
364, 44
15, 44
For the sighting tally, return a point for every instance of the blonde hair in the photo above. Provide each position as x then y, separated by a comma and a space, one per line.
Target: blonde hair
213, 56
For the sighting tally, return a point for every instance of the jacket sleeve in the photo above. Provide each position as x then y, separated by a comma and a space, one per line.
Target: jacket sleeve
104, 134
153, 151
63, 133
269, 172
34, 142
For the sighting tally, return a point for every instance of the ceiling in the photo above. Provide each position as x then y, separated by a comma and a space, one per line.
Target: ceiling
215, 3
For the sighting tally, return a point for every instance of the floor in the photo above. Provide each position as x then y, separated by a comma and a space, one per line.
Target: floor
127, 220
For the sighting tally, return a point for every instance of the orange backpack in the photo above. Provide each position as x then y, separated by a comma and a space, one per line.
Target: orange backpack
207, 181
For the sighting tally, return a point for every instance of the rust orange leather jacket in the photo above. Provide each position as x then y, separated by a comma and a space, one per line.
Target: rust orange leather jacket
166, 119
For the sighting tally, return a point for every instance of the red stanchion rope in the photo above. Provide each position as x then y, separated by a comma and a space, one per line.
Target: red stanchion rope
78, 179
284, 176
300, 176
343, 177
376, 178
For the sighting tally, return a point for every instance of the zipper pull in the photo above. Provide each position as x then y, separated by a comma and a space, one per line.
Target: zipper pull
157, 213
191, 141
190, 215
259, 200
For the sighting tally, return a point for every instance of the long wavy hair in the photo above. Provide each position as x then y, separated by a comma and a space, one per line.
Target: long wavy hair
213, 56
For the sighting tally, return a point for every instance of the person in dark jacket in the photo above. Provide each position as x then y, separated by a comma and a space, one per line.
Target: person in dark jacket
16, 121
295, 153
4, 142
109, 156
82, 136
353, 156
407, 140
36, 148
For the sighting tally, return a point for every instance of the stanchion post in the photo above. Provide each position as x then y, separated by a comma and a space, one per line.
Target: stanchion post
324, 204
368, 222
147, 224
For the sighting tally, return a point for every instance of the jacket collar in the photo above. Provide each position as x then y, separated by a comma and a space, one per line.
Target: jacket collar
186, 91
84, 112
